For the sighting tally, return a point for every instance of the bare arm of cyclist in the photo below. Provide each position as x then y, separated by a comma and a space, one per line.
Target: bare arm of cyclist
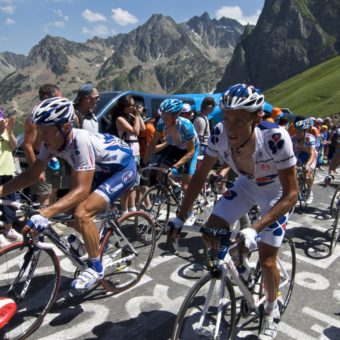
25, 179
285, 203
195, 185
190, 152
224, 170
160, 147
151, 147
81, 187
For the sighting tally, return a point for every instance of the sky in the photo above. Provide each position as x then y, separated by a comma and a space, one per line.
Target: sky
23, 23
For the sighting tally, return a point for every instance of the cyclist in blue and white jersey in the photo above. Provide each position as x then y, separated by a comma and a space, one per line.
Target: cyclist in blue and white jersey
182, 145
261, 153
304, 145
87, 153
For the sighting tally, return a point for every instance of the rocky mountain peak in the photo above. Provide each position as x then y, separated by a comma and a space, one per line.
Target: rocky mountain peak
55, 52
290, 37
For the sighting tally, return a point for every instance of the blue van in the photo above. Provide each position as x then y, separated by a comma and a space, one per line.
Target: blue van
151, 102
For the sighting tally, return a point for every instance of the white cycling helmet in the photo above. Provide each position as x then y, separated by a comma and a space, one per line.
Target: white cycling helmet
242, 97
53, 111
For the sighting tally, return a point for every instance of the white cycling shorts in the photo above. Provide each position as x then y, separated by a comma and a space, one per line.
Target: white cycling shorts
240, 198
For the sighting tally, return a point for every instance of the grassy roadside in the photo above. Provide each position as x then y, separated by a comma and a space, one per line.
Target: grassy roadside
315, 92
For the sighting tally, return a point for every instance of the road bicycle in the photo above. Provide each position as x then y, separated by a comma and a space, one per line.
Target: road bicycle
167, 193
30, 271
335, 202
213, 308
335, 212
303, 188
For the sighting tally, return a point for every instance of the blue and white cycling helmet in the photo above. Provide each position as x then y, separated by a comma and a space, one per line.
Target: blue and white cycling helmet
53, 111
304, 124
171, 106
242, 97
54, 164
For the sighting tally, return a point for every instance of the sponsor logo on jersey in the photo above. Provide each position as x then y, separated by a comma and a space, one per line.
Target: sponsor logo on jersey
279, 226
276, 143
265, 167
215, 134
261, 181
127, 176
229, 195
111, 190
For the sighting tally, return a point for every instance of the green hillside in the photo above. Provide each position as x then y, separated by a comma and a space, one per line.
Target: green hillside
315, 92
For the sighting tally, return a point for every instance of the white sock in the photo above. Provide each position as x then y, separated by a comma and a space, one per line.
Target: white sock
132, 209
272, 308
124, 212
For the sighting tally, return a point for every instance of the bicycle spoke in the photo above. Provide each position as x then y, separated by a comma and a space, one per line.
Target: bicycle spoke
127, 251
34, 291
208, 311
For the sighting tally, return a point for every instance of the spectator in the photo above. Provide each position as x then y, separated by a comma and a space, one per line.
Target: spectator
282, 121
187, 112
85, 104
201, 122
323, 144
127, 120
8, 143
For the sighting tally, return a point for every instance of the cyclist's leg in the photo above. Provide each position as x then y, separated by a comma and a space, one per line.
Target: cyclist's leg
271, 240
189, 169
231, 206
85, 212
268, 255
334, 163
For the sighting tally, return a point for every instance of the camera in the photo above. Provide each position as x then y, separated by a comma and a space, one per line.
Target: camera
138, 106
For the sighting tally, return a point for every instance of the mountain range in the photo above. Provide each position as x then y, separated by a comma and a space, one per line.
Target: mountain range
200, 55
159, 56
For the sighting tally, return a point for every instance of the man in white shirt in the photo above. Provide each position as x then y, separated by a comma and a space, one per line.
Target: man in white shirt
201, 122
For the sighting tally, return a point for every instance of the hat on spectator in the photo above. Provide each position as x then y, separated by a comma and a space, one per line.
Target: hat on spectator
84, 90
186, 108
276, 111
208, 101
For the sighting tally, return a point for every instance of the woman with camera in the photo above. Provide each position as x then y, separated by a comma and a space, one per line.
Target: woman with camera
127, 121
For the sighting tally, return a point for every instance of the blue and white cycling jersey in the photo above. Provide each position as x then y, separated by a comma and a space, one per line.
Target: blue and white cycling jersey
92, 151
273, 151
301, 149
186, 132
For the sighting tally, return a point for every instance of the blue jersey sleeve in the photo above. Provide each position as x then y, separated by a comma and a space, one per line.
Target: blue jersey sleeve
186, 129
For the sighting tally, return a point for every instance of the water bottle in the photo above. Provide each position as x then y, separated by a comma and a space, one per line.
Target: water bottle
77, 245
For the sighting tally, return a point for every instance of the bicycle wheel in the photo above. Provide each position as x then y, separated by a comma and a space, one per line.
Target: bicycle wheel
32, 279
204, 297
160, 207
335, 203
335, 232
126, 251
286, 263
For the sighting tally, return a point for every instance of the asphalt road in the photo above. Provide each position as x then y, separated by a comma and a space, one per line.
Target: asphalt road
148, 310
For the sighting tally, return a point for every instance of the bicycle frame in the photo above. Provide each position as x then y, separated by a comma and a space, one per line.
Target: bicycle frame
31, 258
223, 267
